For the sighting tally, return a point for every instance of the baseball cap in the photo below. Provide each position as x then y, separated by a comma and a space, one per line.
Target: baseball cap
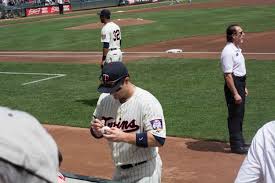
25, 143
112, 76
104, 13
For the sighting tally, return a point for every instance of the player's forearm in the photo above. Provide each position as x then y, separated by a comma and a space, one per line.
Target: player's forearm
104, 53
131, 138
230, 83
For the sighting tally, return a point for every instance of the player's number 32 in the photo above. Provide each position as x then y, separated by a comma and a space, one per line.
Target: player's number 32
116, 35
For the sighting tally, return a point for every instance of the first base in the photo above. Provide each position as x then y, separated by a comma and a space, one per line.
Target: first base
174, 51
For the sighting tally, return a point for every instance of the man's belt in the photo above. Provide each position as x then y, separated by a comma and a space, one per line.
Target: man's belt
113, 49
240, 78
131, 165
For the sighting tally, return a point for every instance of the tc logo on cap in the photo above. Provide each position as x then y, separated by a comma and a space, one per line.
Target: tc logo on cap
105, 78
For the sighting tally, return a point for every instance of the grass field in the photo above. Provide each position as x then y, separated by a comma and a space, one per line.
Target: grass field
50, 34
191, 92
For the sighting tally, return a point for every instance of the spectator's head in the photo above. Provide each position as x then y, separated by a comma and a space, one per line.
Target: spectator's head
234, 34
27, 152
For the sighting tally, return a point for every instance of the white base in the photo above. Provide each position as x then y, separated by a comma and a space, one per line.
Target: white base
174, 51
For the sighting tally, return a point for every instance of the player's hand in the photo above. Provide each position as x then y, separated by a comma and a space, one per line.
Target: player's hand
238, 99
115, 135
246, 91
96, 125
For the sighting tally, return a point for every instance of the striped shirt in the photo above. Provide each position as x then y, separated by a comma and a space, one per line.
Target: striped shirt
140, 113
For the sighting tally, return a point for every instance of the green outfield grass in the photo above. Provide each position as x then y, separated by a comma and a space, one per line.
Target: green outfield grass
50, 35
190, 91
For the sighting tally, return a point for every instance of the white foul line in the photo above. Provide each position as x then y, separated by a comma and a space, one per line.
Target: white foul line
36, 81
57, 53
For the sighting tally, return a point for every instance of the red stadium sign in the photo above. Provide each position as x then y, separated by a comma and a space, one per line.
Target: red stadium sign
46, 10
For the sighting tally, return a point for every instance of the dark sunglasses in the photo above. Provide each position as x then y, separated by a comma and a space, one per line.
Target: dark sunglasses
241, 33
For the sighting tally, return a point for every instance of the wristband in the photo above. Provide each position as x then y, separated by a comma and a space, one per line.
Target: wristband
142, 139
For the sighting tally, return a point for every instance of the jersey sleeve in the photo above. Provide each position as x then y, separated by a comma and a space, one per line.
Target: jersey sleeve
105, 36
98, 110
153, 119
227, 63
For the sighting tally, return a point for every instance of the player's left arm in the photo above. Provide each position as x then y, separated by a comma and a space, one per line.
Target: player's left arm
105, 50
154, 124
144, 139
105, 39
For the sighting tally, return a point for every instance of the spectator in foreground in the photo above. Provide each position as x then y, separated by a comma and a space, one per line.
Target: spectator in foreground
259, 164
27, 152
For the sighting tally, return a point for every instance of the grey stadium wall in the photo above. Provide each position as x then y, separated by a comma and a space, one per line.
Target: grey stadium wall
90, 4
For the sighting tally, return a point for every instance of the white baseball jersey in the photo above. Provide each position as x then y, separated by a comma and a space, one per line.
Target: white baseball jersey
232, 60
259, 164
111, 34
141, 113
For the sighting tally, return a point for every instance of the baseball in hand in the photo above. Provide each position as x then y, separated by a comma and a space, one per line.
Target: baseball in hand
104, 129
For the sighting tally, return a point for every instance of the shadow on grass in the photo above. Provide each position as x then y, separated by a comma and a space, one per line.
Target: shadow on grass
208, 146
89, 102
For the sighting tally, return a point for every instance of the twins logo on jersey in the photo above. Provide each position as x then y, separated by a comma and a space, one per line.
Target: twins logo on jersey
125, 126
156, 124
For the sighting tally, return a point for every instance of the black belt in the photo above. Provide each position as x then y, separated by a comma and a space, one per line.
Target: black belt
131, 165
113, 49
240, 78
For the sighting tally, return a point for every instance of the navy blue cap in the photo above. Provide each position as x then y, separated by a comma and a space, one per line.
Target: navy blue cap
104, 13
112, 77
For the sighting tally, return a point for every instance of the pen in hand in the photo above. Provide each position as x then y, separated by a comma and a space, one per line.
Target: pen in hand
98, 121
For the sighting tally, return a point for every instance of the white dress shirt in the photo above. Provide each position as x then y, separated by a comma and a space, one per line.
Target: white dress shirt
259, 164
232, 60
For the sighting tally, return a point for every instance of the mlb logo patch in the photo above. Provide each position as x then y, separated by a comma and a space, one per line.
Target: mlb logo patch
103, 36
156, 124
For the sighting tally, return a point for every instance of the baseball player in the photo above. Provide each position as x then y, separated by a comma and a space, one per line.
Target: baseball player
111, 39
259, 164
135, 126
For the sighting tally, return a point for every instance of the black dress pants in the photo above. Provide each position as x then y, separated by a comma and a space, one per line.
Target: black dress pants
235, 113
61, 8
